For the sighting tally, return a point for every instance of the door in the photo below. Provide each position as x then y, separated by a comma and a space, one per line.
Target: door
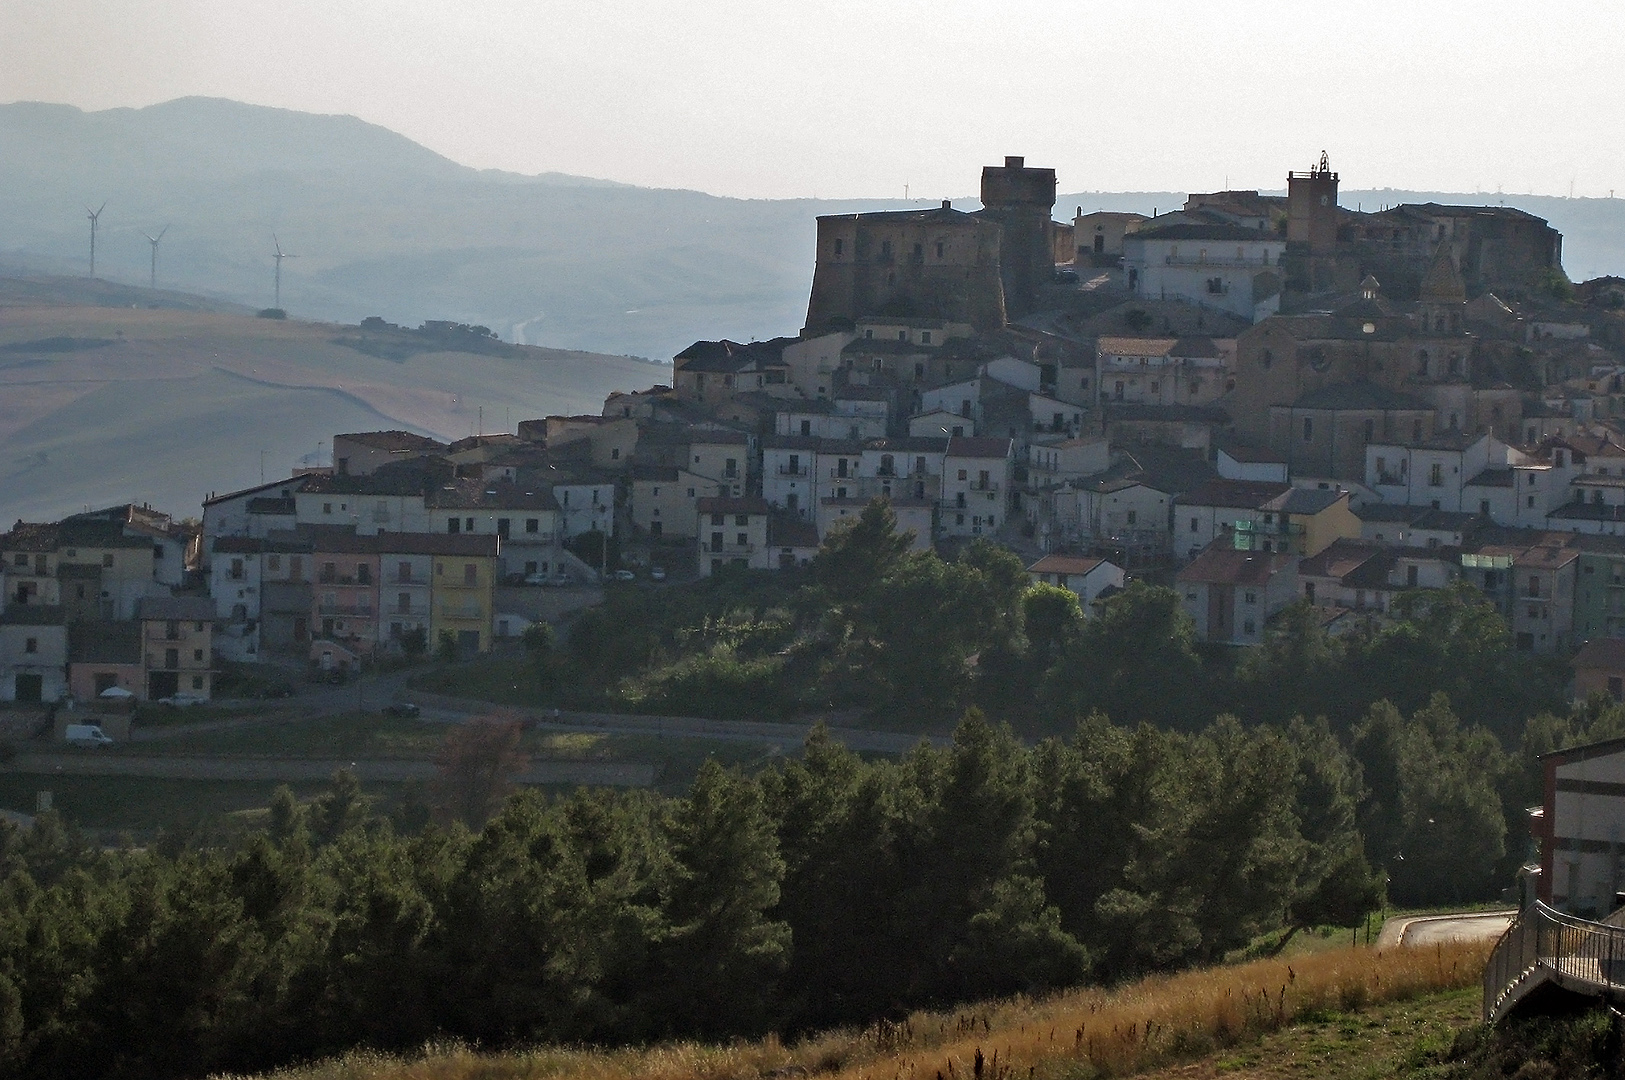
30, 689
162, 684
468, 642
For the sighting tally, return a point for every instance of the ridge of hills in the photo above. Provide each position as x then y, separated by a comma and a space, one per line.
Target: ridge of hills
111, 393
384, 226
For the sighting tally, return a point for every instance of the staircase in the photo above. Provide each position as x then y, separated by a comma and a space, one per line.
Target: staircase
1544, 950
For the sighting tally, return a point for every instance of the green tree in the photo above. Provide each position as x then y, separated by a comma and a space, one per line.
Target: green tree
719, 965
1136, 661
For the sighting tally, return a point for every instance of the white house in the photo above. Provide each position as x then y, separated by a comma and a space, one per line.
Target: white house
1085, 575
975, 485
1054, 460
1251, 463
235, 572
1230, 594
733, 532
1223, 267
1435, 472
940, 423
33, 654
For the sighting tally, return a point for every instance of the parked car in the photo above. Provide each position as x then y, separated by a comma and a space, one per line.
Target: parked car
537, 578
86, 735
657, 573
625, 575
402, 708
181, 700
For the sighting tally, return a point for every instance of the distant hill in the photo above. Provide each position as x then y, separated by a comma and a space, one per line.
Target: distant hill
150, 396
383, 226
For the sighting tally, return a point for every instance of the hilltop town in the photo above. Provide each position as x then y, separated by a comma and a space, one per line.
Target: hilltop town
1257, 399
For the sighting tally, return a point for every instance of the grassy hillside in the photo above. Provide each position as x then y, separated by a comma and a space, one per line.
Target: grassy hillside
102, 404
383, 226
1329, 1015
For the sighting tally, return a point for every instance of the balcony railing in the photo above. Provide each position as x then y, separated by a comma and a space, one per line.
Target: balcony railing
792, 470
730, 549
983, 485
363, 611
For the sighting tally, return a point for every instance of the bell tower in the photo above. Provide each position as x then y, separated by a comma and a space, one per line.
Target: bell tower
1311, 227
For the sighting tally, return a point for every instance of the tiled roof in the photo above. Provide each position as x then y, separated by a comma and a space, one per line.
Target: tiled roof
393, 441
1064, 564
1602, 653
744, 505
184, 608
1244, 494
975, 447
1226, 566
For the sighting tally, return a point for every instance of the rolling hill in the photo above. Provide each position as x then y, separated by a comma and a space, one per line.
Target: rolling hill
383, 226
162, 404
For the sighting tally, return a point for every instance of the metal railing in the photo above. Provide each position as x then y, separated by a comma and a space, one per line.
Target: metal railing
1545, 944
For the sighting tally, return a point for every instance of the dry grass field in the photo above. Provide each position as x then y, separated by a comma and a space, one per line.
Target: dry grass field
101, 404
1198, 1023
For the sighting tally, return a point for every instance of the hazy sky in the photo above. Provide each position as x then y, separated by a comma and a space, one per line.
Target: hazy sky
860, 97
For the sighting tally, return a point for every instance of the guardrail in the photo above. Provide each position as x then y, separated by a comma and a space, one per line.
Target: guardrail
1545, 945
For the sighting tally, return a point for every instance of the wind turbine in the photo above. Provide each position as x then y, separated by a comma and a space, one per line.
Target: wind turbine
280, 255
153, 240
94, 214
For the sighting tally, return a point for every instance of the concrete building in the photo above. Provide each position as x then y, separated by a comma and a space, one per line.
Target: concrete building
33, 654
976, 474
1214, 265
1229, 594
733, 532
177, 644
462, 595
1087, 576
1581, 822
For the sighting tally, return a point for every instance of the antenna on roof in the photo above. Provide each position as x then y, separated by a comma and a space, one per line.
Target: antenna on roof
280, 255
94, 214
153, 240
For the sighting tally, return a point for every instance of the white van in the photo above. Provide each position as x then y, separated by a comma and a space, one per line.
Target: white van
86, 735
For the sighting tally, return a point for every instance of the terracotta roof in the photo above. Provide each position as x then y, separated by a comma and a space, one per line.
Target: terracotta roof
787, 530
1064, 564
973, 447
745, 505
1244, 494
185, 608
1226, 566
1604, 653
392, 441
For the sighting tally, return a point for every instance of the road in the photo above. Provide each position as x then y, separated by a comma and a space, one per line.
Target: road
1419, 931
91, 763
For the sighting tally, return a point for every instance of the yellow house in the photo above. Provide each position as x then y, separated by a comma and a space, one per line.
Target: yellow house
1301, 521
462, 594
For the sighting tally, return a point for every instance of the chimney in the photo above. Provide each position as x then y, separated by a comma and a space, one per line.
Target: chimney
947, 204
1014, 162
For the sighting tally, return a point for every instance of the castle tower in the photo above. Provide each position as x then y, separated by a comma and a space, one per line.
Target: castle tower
1311, 228
1021, 200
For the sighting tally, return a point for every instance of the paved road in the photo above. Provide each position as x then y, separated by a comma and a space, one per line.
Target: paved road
762, 733
91, 763
1417, 931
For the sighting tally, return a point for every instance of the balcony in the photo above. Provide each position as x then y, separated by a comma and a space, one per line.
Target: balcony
982, 485
792, 470
461, 611
359, 611
337, 579
1202, 259
730, 549
408, 579
848, 475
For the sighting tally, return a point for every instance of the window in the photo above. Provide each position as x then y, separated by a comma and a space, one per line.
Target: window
1132, 515
1195, 526
107, 559
741, 519
504, 527
273, 562
197, 654
1248, 627
1534, 586
197, 682
716, 519
963, 474
454, 526
925, 335
1250, 598
327, 508
468, 524
729, 468
533, 525
1436, 475
31, 645
403, 602
1308, 429
471, 574
741, 540
363, 574
172, 631
1370, 430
